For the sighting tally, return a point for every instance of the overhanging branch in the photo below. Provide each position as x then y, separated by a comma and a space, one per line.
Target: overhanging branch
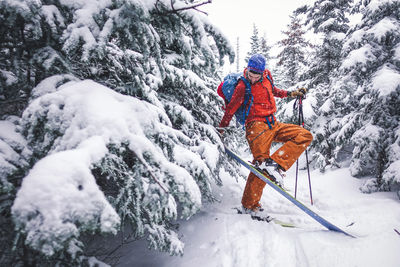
174, 10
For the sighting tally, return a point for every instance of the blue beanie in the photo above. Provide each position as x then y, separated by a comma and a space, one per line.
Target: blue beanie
256, 63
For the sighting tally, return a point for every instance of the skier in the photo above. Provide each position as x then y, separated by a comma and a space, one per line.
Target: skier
262, 129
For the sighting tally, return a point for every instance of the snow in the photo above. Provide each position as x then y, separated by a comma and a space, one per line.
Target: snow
8, 133
355, 37
337, 35
21, 6
209, 154
85, 28
326, 24
376, 5
397, 52
9, 77
327, 106
384, 27
13, 150
52, 16
217, 236
368, 131
308, 110
358, 56
65, 195
386, 80
81, 33
391, 174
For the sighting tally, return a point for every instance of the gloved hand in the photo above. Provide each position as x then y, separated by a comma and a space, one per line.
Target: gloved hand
298, 92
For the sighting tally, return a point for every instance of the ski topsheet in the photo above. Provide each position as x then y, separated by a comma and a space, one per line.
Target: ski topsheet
281, 191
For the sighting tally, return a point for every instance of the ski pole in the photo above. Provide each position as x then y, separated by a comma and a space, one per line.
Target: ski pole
308, 165
297, 161
301, 123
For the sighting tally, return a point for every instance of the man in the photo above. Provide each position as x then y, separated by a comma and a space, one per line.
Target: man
262, 129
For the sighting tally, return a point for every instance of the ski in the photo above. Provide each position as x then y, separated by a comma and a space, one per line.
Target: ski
289, 197
268, 219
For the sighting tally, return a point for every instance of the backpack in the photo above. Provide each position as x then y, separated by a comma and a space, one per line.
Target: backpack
226, 90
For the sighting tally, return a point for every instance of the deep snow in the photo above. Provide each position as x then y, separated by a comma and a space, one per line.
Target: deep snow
217, 236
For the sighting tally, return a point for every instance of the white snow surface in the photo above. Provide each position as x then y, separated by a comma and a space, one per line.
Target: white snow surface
218, 236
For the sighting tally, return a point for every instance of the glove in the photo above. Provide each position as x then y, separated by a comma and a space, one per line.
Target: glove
299, 92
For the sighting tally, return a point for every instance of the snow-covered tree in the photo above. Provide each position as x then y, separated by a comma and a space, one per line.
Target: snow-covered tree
14, 161
377, 41
365, 97
136, 158
329, 19
290, 67
254, 43
265, 50
292, 57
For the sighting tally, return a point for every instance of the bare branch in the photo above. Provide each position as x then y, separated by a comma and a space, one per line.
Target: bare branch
173, 10
201, 10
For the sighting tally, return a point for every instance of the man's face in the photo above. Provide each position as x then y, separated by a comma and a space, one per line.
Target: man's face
253, 77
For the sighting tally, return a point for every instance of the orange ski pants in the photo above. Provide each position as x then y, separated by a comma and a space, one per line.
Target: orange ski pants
260, 137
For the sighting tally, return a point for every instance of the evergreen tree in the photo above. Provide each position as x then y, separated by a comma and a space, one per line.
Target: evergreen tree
329, 18
292, 57
361, 107
154, 53
254, 43
265, 50
377, 74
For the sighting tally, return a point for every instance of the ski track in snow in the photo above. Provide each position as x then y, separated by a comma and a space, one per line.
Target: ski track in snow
218, 236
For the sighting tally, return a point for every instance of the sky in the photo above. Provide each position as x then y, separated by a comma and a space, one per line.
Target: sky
235, 18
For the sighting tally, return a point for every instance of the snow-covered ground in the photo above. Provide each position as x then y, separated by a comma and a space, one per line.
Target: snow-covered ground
217, 236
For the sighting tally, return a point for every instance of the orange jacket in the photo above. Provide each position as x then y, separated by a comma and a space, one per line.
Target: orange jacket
263, 102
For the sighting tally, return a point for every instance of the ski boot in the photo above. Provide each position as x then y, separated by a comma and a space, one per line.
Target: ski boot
272, 170
256, 214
